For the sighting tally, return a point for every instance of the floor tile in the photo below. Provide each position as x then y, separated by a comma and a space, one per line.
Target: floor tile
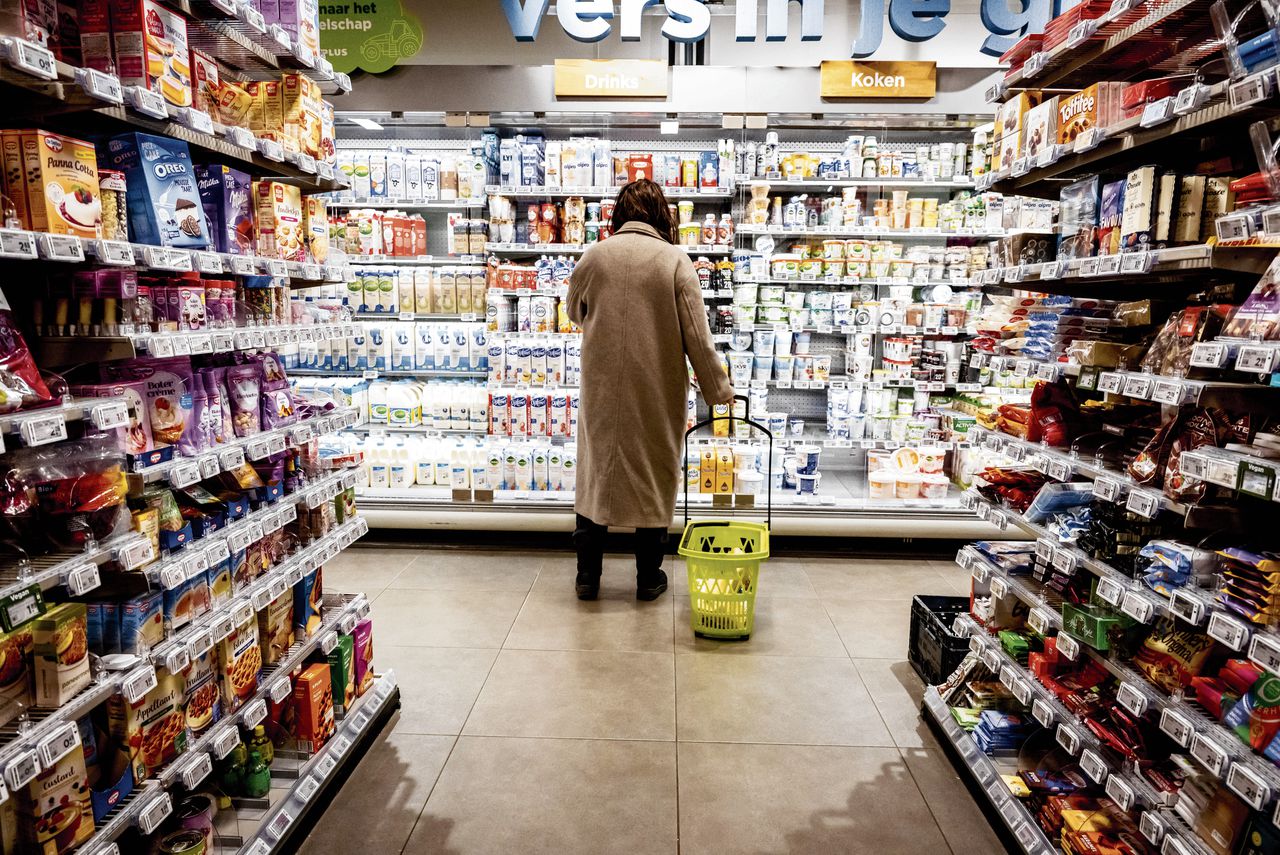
784, 578
439, 684
559, 621
897, 691
577, 694
774, 699
782, 627
871, 629
444, 618
554, 796
450, 570
957, 814
379, 804
366, 569
797, 800
619, 577
875, 579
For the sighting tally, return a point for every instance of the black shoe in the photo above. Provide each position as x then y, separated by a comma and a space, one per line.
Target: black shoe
587, 586
652, 586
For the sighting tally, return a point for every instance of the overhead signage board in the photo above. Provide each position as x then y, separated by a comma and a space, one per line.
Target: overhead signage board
611, 78
853, 79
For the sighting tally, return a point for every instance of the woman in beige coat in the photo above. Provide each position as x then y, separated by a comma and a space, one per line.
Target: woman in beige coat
637, 299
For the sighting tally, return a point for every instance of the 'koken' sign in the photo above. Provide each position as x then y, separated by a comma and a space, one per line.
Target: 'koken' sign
851, 79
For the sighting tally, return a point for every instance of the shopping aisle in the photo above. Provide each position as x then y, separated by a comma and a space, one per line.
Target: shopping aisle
536, 723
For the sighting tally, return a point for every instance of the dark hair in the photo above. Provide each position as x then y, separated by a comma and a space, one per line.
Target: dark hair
642, 200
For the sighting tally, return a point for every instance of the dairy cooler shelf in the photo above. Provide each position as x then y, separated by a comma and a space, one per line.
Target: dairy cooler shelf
1250, 775
832, 281
74, 350
578, 249
1133, 268
414, 260
986, 775
408, 204
709, 194
375, 373
782, 184
293, 807
843, 232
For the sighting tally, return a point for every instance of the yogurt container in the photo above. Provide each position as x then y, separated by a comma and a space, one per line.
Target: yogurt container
934, 486
833, 250
822, 368
772, 313
811, 268
763, 367
784, 266
807, 459
746, 293
783, 369
740, 368
749, 483
807, 485
777, 423
907, 485
881, 484
772, 293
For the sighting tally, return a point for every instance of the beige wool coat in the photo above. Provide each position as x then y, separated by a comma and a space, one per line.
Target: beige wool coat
640, 307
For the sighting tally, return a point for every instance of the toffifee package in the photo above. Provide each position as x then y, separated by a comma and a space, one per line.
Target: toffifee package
164, 195
151, 48
1094, 106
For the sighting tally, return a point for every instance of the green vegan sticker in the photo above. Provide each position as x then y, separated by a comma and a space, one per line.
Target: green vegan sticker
372, 35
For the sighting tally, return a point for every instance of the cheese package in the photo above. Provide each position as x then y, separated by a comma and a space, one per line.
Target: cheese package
1009, 126
61, 189
239, 664
155, 728
60, 642
313, 695
1137, 224
151, 47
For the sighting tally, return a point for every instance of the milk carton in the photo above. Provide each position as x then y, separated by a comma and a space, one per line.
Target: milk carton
424, 351
413, 177
377, 175
395, 175
360, 186
163, 194
402, 346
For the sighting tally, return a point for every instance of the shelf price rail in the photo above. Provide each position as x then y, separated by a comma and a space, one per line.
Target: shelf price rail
1252, 777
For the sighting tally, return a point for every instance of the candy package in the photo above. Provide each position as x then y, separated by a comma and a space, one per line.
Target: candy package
243, 386
1172, 655
1259, 316
21, 386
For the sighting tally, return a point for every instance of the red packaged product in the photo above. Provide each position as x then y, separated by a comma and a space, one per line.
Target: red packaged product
21, 386
1136, 96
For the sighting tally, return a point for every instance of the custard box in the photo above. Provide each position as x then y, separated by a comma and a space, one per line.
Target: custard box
55, 811
62, 191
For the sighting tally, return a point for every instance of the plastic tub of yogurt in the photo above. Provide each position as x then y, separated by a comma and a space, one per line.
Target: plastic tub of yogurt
880, 484
934, 486
807, 485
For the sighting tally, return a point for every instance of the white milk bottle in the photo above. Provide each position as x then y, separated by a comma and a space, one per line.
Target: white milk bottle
510, 473
402, 346
378, 403
479, 410
424, 473
459, 468
424, 347
380, 469
479, 467
440, 456
569, 473
401, 471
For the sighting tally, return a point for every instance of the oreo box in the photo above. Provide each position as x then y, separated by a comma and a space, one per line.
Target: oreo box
163, 193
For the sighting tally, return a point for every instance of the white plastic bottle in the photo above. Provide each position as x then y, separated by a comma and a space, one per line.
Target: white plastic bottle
424, 467
400, 474
459, 468
380, 468
440, 454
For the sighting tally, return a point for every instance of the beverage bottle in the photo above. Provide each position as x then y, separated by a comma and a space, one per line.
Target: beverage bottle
262, 745
257, 776
724, 232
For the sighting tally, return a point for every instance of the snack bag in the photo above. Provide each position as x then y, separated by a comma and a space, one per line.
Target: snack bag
21, 386
1171, 656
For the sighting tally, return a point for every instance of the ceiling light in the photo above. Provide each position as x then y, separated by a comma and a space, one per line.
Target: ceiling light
670, 126
367, 124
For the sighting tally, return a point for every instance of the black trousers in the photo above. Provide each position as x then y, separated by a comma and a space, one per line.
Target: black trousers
589, 540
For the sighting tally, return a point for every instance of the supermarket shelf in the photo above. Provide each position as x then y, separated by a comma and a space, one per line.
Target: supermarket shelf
782, 184
182, 471
1127, 140
986, 775
1254, 476
383, 204
710, 194
375, 373
1147, 39
49, 424
23, 245
843, 232
461, 317
578, 249
1062, 465
1181, 718
293, 813
19, 747
1155, 266
416, 260
1169, 390
832, 329
850, 280
73, 350
17, 574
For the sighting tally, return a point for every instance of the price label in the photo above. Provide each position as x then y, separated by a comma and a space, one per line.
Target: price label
177, 659
1138, 386
140, 681
1088, 378
1167, 392
1208, 354
999, 588
114, 252
196, 770
1064, 560
1136, 262
42, 430
1068, 646
261, 599
1060, 470
341, 745
1144, 503
271, 150
1250, 91
1248, 785
1157, 112
17, 244
1068, 739
1187, 606
32, 58
1110, 591
1042, 712
134, 554
277, 588
1256, 359
1107, 489
1265, 652
199, 643
279, 690
1120, 792
150, 817
1081, 32
58, 744
224, 741
21, 770
1110, 381
328, 641
1210, 754
1021, 690
60, 247
184, 474
173, 576
1108, 265
1191, 98
1152, 826
242, 612
255, 712
1131, 699
1138, 607
1087, 141
347, 624
1046, 156
1093, 766
221, 627
1052, 270
83, 579
146, 102
231, 459
96, 84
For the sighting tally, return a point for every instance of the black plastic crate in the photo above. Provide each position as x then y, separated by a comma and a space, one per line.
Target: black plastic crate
933, 649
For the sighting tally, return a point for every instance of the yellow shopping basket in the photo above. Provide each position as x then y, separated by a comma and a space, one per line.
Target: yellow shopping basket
723, 559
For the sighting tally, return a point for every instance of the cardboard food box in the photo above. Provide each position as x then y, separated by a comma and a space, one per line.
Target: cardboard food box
342, 673
94, 17
313, 695
15, 183
202, 702
239, 664
15, 672
308, 599
275, 628
206, 83
61, 649
226, 195
155, 728
1009, 123
362, 642
164, 197
316, 219
142, 622
151, 48
301, 109
62, 192
280, 227
55, 814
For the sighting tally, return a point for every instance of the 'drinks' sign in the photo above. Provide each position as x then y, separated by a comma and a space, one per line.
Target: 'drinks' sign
690, 20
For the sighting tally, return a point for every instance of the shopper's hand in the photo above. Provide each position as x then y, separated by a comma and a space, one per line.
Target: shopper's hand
729, 400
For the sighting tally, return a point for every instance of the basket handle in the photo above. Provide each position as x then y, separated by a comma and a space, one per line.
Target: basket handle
684, 465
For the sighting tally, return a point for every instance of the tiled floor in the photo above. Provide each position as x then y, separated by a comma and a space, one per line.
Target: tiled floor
535, 723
